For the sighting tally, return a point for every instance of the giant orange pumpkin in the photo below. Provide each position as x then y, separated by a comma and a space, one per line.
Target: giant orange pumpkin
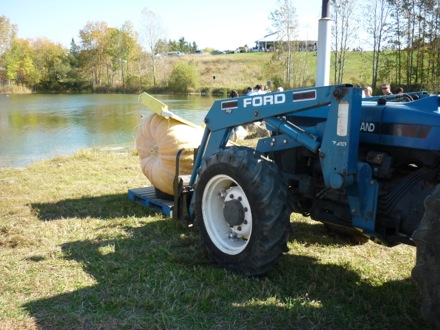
158, 140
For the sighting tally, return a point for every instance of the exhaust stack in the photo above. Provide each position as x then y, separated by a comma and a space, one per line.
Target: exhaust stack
324, 46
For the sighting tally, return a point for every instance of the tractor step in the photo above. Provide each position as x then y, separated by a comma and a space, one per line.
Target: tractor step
146, 196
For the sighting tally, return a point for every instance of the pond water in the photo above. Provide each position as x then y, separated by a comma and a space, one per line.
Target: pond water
35, 127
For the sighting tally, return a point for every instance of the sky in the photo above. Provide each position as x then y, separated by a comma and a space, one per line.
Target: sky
222, 25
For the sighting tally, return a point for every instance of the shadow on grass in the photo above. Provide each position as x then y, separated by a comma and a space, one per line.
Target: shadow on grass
323, 234
100, 207
157, 277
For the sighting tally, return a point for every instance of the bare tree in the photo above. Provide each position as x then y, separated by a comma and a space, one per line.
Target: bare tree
152, 32
376, 15
344, 33
413, 30
433, 60
285, 21
7, 34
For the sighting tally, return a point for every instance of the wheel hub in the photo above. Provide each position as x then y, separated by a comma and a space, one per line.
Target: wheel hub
233, 212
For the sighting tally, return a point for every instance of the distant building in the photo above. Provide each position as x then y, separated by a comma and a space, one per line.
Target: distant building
271, 41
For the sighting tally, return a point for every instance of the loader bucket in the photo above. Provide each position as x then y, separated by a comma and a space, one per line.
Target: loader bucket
161, 109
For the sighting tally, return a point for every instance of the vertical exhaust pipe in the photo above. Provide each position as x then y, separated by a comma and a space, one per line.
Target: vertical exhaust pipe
324, 46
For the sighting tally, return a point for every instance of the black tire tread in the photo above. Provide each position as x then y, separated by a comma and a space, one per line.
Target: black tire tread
268, 188
426, 272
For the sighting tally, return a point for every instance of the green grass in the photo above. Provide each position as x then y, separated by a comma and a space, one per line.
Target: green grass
237, 71
76, 253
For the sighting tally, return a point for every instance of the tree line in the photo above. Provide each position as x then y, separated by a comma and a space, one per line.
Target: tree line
403, 37
104, 59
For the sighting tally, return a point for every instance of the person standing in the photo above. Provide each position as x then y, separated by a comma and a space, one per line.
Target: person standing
259, 89
238, 132
233, 93
386, 89
368, 91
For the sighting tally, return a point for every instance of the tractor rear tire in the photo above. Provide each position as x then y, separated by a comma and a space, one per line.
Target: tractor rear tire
242, 210
427, 269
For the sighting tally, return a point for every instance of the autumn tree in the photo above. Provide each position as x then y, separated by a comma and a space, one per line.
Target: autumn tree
94, 39
19, 64
120, 49
52, 62
8, 32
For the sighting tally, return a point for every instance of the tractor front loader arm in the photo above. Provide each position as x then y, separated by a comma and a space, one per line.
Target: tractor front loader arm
337, 146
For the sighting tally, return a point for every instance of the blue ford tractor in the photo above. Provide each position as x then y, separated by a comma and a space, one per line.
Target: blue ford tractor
372, 165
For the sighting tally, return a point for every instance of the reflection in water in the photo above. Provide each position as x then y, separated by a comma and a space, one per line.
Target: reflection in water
35, 127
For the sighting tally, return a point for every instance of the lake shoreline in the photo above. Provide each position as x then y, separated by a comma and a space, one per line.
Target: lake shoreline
43, 126
111, 92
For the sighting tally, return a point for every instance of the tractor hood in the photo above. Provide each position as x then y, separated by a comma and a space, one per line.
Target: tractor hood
413, 124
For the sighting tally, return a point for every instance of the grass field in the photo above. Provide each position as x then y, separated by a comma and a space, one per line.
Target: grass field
237, 71
76, 253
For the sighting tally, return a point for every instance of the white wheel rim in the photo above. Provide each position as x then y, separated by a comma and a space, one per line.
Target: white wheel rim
229, 240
